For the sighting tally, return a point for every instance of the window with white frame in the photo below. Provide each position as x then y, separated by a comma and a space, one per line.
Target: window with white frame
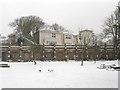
68, 37
53, 35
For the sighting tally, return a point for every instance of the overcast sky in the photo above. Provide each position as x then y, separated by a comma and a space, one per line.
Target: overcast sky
72, 14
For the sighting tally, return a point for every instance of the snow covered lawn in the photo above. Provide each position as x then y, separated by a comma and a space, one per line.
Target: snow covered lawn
65, 75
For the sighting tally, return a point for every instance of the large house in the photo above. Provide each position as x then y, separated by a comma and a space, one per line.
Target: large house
51, 37
48, 36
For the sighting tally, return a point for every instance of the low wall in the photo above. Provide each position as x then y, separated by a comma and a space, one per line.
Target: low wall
60, 52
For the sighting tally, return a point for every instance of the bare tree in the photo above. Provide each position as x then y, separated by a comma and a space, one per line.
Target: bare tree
110, 28
27, 25
57, 27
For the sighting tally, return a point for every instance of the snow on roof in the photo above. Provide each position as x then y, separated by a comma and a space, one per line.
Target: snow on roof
86, 30
47, 30
74, 33
65, 32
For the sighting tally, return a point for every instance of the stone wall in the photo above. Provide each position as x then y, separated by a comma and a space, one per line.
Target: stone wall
60, 52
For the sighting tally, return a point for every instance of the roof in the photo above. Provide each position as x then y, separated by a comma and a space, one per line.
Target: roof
86, 30
49, 30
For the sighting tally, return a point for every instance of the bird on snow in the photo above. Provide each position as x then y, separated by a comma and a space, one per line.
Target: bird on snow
50, 70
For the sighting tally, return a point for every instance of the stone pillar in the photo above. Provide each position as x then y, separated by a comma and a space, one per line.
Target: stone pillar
83, 48
43, 52
54, 52
66, 55
86, 49
76, 53
9, 52
20, 51
106, 53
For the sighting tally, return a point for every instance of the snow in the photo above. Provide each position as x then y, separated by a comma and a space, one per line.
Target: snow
65, 75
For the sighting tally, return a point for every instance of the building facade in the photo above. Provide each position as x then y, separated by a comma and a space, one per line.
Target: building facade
47, 36
86, 37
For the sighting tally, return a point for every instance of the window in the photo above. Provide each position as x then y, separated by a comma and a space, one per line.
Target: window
68, 36
51, 43
53, 35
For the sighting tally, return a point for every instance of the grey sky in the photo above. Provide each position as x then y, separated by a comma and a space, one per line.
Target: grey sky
72, 14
